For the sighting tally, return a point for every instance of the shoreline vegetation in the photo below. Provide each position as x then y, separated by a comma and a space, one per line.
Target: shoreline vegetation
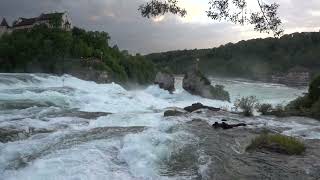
88, 55
305, 106
256, 59
277, 143
82, 53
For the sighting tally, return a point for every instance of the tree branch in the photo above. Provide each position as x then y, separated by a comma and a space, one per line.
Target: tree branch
264, 21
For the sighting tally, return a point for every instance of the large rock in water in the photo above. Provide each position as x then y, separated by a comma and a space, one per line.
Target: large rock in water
197, 84
165, 81
197, 106
174, 112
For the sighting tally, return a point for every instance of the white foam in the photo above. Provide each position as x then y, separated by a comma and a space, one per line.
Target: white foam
134, 156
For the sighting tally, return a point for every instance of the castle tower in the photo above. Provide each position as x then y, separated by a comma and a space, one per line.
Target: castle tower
4, 27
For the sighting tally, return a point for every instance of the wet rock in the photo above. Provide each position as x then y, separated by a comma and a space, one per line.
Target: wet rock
277, 143
174, 112
226, 151
165, 81
197, 84
79, 114
224, 125
10, 134
198, 106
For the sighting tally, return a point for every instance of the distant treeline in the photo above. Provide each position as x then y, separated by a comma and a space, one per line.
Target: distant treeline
256, 58
52, 48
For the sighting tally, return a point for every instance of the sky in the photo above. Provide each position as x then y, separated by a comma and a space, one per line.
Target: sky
130, 31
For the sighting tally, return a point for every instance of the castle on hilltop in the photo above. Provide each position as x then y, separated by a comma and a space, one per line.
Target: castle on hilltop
51, 20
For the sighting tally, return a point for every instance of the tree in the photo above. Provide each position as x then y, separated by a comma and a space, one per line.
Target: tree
247, 105
314, 89
235, 11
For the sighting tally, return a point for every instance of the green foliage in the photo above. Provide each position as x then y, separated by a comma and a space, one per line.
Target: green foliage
219, 92
315, 109
264, 109
314, 89
203, 78
300, 103
246, 104
277, 143
138, 68
256, 58
308, 105
55, 20
49, 49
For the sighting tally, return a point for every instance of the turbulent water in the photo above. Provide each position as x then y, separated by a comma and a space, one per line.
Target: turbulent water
66, 128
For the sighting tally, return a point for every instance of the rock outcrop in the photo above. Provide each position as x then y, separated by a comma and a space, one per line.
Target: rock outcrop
165, 81
197, 106
10, 134
174, 112
197, 84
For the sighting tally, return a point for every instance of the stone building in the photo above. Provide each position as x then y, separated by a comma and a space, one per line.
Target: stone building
57, 20
51, 20
4, 27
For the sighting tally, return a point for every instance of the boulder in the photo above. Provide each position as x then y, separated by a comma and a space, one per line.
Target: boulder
198, 106
224, 125
197, 84
165, 81
174, 112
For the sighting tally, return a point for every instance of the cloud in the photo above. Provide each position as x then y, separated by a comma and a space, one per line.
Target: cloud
129, 30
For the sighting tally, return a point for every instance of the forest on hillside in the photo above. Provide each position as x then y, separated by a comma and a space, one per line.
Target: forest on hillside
256, 58
50, 50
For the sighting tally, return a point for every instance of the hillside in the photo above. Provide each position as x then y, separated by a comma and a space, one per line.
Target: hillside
85, 54
256, 58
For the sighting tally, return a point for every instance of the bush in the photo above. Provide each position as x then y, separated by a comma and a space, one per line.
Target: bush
315, 109
314, 89
246, 104
219, 92
277, 143
264, 109
279, 111
300, 103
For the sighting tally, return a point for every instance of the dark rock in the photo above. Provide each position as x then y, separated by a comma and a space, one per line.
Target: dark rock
229, 159
10, 134
224, 120
197, 84
198, 106
224, 125
174, 112
82, 114
165, 81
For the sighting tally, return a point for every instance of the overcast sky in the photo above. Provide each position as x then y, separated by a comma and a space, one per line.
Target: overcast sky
129, 30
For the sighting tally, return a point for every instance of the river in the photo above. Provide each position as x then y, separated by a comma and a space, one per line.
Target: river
67, 128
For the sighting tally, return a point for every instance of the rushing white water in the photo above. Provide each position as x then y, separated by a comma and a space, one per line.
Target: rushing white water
73, 147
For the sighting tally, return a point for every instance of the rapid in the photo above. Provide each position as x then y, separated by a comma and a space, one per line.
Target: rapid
62, 127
